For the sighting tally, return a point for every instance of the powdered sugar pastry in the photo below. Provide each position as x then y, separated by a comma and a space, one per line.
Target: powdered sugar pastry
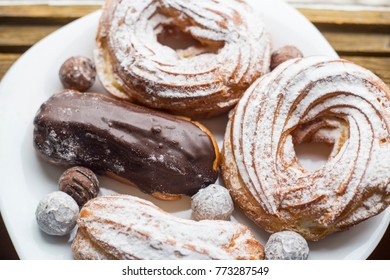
315, 99
234, 51
127, 227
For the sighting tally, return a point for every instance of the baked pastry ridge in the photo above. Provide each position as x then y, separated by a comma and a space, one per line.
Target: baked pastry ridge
201, 81
313, 99
127, 227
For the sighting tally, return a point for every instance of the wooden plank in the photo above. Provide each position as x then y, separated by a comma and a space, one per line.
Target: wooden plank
18, 38
378, 65
372, 44
66, 13
6, 60
44, 13
354, 45
368, 20
381, 251
7, 251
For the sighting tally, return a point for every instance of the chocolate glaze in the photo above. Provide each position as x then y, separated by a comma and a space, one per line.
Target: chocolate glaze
157, 152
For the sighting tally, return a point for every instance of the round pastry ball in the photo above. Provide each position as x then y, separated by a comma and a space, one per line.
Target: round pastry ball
57, 213
212, 203
286, 245
78, 73
80, 183
283, 54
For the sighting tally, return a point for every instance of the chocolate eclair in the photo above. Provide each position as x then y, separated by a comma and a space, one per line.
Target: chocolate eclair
163, 155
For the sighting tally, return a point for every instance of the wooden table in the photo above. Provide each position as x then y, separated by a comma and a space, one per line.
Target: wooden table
360, 36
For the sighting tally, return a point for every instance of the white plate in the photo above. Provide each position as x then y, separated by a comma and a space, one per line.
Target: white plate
25, 179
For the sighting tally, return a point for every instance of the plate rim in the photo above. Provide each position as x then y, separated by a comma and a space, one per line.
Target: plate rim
71, 25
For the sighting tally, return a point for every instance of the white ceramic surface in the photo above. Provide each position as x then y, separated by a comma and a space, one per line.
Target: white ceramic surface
25, 178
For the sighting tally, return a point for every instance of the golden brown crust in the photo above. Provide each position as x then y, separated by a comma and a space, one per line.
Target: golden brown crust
126, 227
165, 196
300, 101
132, 68
83, 248
240, 194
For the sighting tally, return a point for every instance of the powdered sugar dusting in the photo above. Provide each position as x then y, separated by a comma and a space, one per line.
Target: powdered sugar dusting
316, 99
133, 228
212, 203
162, 73
65, 148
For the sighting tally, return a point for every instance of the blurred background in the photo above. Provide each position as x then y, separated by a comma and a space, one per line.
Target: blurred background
343, 2
347, 3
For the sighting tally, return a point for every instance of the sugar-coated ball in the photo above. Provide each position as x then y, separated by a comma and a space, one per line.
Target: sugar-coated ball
212, 203
57, 213
286, 245
77, 73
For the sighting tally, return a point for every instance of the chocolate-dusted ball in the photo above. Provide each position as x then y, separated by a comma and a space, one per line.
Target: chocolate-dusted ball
283, 54
286, 245
57, 213
78, 73
212, 203
80, 183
